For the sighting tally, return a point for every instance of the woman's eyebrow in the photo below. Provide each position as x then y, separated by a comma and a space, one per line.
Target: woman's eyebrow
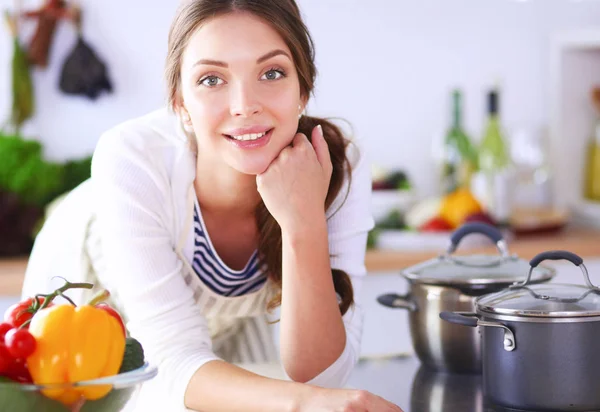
273, 53
267, 56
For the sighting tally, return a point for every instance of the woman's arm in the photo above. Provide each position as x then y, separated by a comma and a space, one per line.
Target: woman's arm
312, 333
142, 269
220, 386
317, 344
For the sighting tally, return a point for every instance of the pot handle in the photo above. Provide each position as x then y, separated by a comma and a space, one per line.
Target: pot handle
395, 301
461, 318
478, 227
558, 255
470, 319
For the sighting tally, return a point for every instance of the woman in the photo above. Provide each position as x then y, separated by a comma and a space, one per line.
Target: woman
228, 205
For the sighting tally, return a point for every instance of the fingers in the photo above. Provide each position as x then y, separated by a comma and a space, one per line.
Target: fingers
321, 149
384, 405
299, 139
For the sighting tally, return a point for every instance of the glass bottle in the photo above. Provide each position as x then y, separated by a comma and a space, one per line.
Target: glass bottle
460, 157
494, 184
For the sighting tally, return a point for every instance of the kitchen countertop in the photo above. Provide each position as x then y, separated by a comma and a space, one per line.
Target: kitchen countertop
417, 389
580, 240
403, 381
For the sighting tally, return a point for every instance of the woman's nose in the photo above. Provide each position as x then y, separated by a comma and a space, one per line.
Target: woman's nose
244, 101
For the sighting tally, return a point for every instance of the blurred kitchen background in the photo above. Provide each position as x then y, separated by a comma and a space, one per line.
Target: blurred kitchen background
469, 110
387, 67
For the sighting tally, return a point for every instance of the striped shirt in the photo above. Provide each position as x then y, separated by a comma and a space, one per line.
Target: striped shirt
217, 275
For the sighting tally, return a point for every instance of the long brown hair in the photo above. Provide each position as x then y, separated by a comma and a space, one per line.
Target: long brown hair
284, 17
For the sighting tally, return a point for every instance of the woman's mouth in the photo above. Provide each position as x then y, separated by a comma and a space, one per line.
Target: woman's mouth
250, 140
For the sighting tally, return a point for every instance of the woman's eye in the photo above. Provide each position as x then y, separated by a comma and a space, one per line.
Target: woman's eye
211, 81
272, 75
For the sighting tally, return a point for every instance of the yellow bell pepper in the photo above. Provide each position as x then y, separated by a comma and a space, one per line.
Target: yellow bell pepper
75, 344
457, 206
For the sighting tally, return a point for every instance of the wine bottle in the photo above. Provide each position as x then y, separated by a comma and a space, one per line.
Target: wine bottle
460, 157
493, 153
495, 185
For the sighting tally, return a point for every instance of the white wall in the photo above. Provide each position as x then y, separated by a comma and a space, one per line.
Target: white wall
385, 65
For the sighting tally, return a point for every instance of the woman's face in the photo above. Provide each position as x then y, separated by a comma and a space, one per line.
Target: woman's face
241, 90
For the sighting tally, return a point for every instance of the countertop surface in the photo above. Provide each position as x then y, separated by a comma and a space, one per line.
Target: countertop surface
405, 382
577, 239
417, 389
582, 241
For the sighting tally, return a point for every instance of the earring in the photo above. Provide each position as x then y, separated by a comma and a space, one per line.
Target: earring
300, 110
186, 118
187, 121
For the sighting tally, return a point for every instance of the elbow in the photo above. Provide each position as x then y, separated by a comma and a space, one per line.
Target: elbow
334, 375
304, 369
301, 375
312, 367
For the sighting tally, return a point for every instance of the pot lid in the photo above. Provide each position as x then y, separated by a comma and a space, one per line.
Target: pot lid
476, 270
545, 300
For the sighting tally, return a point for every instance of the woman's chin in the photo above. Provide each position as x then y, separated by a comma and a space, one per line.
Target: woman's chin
251, 168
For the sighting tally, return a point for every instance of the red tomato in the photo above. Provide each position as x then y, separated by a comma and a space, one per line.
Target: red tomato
19, 372
6, 360
435, 224
4, 327
21, 312
114, 314
20, 343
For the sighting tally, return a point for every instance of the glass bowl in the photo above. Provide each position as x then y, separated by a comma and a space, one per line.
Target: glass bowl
125, 386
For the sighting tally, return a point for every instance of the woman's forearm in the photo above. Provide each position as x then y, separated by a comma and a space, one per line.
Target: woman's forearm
220, 386
312, 334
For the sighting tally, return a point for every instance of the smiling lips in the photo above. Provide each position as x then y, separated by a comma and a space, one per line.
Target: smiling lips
250, 137
249, 130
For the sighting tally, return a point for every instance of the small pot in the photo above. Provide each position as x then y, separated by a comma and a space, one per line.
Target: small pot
451, 283
540, 343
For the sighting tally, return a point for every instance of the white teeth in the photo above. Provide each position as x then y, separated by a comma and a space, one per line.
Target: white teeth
249, 136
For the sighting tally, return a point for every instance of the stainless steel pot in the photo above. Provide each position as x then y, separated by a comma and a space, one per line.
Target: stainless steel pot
452, 283
540, 343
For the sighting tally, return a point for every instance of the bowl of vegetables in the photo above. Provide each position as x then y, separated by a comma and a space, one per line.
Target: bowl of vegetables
61, 357
23, 397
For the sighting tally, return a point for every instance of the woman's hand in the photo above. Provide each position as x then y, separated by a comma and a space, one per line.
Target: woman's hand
294, 186
345, 400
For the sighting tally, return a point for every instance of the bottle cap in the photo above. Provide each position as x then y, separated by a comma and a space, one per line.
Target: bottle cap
493, 102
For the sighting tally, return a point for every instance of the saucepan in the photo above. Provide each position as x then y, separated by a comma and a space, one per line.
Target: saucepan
540, 343
452, 283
